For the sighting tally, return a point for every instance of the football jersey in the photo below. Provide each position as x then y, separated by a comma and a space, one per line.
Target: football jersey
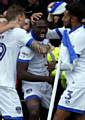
37, 62
10, 43
77, 38
75, 77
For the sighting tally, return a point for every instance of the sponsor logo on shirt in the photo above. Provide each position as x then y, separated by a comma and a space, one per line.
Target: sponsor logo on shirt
29, 90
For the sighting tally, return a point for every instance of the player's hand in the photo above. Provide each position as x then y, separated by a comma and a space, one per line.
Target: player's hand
50, 17
51, 5
5, 13
51, 65
49, 79
35, 17
41, 49
44, 49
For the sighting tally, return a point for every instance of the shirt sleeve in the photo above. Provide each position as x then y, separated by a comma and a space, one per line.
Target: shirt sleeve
25, 54
24, 38
55, 33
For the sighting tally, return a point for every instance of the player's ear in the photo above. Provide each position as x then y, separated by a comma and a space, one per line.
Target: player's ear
21, 17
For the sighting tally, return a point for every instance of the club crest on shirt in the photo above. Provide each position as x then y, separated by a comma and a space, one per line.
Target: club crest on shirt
18, 109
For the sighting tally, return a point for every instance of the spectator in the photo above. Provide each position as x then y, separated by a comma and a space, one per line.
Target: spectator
34, 6
82, 2
4, 4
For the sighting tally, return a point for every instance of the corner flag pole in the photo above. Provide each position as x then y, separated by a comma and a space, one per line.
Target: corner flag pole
54, 91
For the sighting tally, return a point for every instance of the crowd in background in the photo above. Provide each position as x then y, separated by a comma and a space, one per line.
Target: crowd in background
40, 6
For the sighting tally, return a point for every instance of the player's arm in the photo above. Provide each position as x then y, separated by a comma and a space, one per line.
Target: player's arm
55, 33
67, 66
29, 41
6, 26
42, 49
22, 74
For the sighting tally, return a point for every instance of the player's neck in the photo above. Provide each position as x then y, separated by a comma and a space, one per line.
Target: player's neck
75, 24
75, 27
13, 21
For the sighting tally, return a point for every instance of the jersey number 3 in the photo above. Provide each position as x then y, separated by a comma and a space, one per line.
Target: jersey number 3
2, 50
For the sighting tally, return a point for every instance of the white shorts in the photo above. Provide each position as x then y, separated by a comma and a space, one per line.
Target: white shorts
73, 100
41, 90
10, 106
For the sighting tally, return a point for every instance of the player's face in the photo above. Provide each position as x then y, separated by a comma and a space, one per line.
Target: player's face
41, 29
66, 19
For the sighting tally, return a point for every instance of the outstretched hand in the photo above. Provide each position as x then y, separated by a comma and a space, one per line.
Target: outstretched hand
41, 49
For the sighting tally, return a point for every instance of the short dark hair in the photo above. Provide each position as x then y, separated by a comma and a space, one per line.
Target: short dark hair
76, 9
13, 11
